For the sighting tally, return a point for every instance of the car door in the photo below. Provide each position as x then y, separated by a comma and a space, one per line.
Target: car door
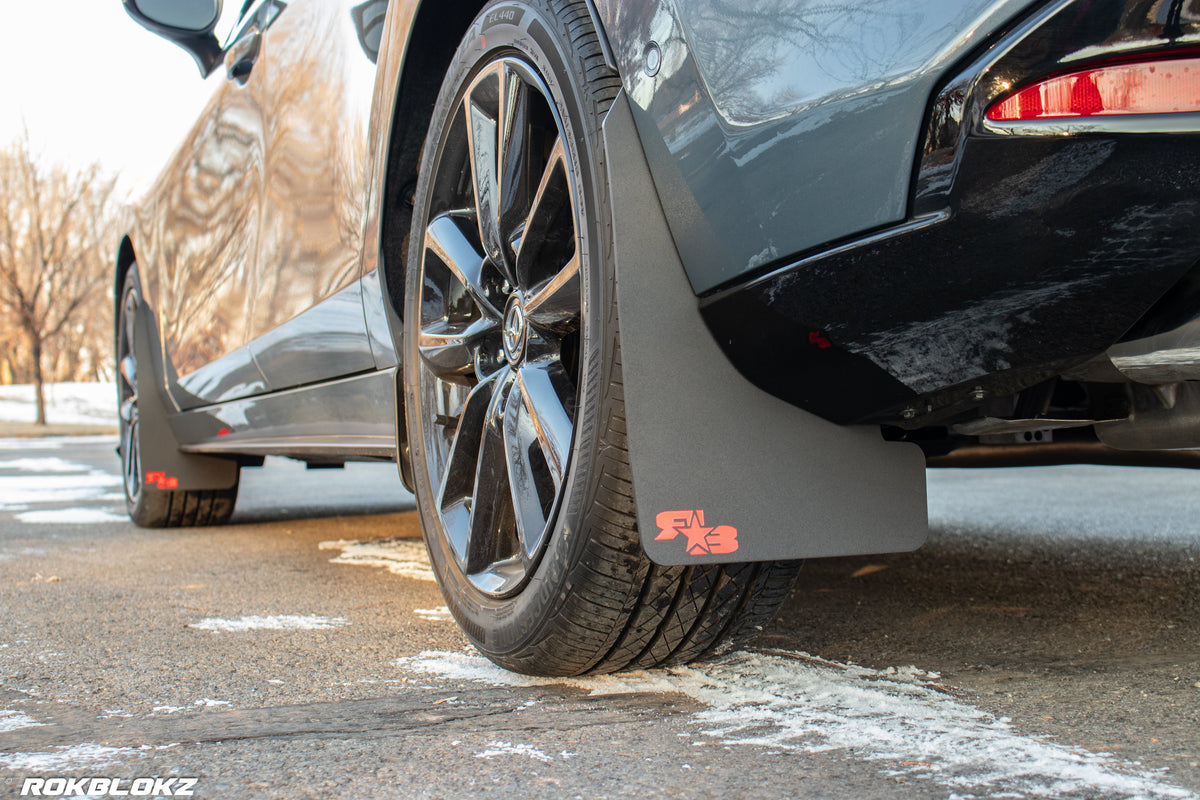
198, 240
317, 75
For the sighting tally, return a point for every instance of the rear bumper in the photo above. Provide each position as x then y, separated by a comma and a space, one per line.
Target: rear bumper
1027, 250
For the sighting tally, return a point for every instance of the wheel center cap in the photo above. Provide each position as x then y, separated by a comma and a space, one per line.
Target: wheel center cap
515, 331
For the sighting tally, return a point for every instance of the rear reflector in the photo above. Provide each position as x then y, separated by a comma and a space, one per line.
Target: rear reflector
1155, 87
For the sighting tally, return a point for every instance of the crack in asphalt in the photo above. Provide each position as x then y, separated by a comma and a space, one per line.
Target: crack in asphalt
372, 717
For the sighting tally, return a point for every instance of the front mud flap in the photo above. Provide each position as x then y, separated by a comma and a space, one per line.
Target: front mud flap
722, 471
164, 465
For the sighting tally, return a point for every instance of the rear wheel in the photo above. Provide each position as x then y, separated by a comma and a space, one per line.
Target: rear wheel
513, 373
152, 507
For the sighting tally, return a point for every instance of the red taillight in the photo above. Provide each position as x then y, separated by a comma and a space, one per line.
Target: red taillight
1154, 87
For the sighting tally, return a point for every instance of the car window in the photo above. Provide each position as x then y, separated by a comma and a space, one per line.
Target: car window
254, 14
229, 21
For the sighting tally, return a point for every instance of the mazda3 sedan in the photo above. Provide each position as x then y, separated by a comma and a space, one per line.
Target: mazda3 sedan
648, 300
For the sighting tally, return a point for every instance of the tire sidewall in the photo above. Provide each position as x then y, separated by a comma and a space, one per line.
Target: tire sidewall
504, 625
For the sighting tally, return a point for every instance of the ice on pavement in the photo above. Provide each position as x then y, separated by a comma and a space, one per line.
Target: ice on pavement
41, 464
439, 614
14, 720
406, 557
70, 516
32, 444
282, 622
64, 758
496, 749
793, 702
50, 480
24, 490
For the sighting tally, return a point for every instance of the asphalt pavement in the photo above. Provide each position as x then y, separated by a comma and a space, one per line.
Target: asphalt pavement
1045, 642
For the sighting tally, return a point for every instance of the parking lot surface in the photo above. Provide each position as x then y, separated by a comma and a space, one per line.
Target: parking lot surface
1045, 642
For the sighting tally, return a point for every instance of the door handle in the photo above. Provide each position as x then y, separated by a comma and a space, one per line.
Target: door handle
242, 55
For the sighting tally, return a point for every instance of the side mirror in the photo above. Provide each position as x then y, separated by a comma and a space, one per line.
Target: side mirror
187, 23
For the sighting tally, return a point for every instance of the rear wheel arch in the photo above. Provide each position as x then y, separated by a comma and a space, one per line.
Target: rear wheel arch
436, 33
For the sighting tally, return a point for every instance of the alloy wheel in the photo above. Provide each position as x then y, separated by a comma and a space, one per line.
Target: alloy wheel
127, 396
499, 329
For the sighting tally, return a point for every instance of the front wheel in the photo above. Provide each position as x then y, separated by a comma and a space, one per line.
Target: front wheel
513, 386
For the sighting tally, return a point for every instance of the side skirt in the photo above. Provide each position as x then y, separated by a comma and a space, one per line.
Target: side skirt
350, 418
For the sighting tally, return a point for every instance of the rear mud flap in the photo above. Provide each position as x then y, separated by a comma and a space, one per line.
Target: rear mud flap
164, 465
722, 471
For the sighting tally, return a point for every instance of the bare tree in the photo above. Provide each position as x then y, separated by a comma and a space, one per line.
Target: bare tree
54, 252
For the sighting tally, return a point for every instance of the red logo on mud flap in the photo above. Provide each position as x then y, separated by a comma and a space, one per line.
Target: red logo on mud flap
161, 480
702, 540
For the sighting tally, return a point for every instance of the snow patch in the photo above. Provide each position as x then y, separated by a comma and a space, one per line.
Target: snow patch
509, 749
469, 667
41, 443
66, 403
439, 614
43, 464
282, 622
405, 557
24, 490
70, 516
66, 758
12, 720
794, 702
47, 443
209, 703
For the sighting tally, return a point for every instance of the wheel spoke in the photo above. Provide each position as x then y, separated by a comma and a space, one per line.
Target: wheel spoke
449, 348
131, 304
548, 397
491, 507
459, 474
524, 475
131, 463
544, 230
556, 300
445, 239
514, 150
128, 371
482, 141
458, 477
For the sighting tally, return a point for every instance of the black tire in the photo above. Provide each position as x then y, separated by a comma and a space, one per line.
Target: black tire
527, 503
157, 508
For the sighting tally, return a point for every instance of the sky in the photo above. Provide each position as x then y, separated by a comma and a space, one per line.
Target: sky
91, 85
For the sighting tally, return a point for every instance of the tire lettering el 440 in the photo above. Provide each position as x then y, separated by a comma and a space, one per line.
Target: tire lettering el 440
161, 480
699, 539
